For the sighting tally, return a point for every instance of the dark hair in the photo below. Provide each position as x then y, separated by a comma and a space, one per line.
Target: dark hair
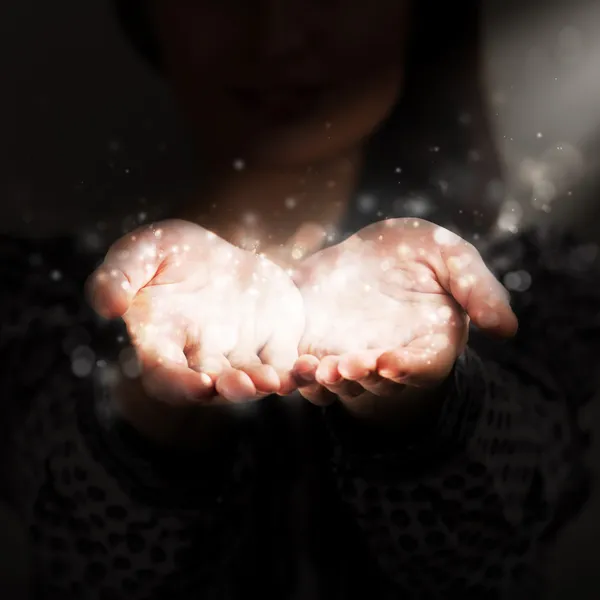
438, 134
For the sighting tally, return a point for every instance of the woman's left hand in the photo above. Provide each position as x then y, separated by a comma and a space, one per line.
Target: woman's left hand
388, 313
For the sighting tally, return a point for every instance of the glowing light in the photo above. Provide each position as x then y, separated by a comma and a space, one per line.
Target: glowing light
445, 237
467, 281
404, 251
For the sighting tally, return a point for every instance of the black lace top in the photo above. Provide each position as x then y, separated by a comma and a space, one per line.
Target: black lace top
468, 510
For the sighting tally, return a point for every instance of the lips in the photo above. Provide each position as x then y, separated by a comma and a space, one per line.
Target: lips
281, 103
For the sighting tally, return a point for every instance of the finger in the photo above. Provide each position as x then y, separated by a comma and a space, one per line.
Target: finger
264, 377
329, 377
211, 363
318, 395
358, 365
304, 373
305, 369
477, 290
110, 292
424, 363
235, 386
281, 354
129, 265
167, 377
328, 373
362, 368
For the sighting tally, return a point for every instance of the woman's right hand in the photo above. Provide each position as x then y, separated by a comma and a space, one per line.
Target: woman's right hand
211, 323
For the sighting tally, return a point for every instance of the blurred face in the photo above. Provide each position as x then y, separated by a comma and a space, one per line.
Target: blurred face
283, 82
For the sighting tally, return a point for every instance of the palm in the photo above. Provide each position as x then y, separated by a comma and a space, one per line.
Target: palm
362, 295
197, 302
214, 296
394, 302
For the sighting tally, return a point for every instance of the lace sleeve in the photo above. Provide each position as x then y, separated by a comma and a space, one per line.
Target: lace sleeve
108, 514
469, 508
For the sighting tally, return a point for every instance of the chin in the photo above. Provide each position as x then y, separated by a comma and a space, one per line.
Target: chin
340, 126
294, 145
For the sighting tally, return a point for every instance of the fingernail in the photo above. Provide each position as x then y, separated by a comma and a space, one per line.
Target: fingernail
387, 373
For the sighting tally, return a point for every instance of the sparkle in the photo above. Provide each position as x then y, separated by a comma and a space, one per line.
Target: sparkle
517, 281
205, 379
444, 237
82, 367
467, 281
445, 313
404, 251
250, 219
297, 252
457, 263
130, 364
367, 204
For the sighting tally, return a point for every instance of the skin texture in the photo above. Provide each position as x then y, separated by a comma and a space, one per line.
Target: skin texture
379, 317
204, 315
388, 311
287, 92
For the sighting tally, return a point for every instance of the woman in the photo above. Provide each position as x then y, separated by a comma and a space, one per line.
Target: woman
442, 466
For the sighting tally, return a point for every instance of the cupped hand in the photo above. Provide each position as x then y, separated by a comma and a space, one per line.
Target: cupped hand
209, 321
389, 309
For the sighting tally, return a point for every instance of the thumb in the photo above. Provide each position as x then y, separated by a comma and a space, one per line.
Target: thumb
485, 300
130, 264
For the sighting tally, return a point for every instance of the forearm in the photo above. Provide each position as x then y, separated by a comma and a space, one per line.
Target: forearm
489, 478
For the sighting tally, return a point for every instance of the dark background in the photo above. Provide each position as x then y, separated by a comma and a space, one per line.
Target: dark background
84, 125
